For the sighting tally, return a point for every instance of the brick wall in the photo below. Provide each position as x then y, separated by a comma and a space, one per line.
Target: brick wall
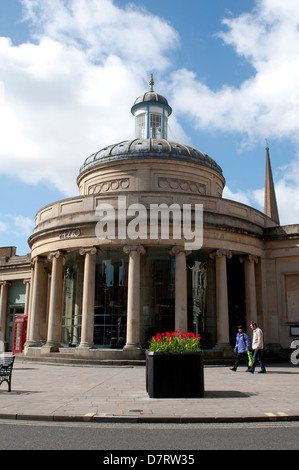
7, 251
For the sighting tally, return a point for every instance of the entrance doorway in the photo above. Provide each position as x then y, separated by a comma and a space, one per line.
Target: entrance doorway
13, 313
201, 284
236, 296
110, 310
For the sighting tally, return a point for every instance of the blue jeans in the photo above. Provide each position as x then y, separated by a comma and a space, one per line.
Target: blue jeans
257, 357
238, 357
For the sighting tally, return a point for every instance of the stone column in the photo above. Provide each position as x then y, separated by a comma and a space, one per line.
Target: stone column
38, 302
181, 313
78, 301
4, 285
55, 303
222, 299
250, 288
30, 302
87, 327
27, 295
133, 305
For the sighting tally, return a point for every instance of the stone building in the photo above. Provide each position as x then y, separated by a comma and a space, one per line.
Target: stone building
15, 277
115, 264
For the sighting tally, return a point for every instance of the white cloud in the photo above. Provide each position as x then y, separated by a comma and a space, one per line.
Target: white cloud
239, 196
265, 105
286, 190
287, 193
23, 225
68, 92
16, 225
102, 29
3, 227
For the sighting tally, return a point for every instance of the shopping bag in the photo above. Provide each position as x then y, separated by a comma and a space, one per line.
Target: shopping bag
250, 360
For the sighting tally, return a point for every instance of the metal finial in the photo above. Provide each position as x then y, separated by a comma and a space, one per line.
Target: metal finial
151, 83
267, 143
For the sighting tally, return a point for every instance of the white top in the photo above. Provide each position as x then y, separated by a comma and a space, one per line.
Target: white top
258, 339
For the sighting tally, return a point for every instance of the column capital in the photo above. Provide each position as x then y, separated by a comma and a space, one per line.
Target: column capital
57, 254
26, 281
251, 258
38, 258
175, 250
138, 248
5, 283
220, 252
93, 250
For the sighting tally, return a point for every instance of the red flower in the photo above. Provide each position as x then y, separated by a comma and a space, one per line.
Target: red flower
175, 341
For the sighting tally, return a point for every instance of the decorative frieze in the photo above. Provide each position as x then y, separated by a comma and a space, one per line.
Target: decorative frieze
176, 184
107, 186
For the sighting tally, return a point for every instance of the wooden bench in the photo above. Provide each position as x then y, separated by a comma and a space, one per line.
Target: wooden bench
6, 364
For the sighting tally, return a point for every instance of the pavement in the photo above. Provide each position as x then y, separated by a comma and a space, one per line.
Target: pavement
96, 393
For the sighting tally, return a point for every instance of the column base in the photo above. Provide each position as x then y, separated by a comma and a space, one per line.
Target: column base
33, 344
85, 346
50, 347
132, 346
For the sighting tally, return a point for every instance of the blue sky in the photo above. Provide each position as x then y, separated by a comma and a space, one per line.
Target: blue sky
70, 71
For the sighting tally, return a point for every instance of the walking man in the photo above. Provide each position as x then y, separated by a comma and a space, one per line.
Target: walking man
257, 346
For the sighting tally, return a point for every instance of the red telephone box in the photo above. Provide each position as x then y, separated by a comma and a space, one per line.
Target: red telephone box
20, 330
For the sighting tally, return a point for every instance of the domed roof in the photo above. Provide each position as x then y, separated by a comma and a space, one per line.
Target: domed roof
149, 148
151, 97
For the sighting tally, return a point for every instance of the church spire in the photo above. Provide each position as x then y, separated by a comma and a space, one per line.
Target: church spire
270, 204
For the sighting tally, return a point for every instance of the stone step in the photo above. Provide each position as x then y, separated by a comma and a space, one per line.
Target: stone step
68, 357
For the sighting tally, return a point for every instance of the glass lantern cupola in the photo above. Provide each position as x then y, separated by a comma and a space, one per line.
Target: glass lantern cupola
151, 112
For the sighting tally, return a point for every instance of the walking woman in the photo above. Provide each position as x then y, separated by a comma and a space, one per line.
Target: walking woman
241, 347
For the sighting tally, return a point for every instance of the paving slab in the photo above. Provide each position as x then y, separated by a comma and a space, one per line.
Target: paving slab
109, 393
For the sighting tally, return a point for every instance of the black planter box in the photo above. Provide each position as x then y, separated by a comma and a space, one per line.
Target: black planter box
174, 374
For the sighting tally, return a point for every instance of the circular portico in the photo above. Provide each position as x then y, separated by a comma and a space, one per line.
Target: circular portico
132, 256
